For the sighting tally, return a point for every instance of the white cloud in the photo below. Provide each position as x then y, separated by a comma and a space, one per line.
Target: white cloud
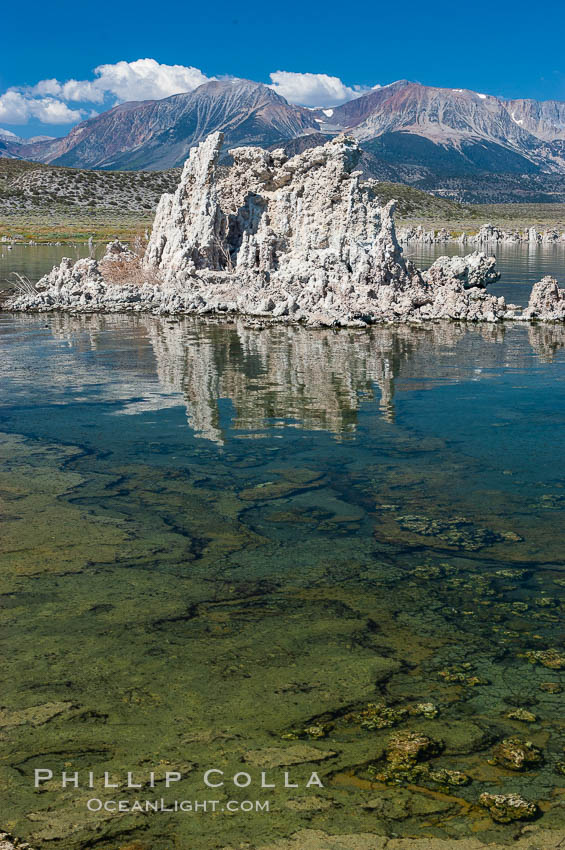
147, 79
313, 89
18, 108
74, 90
144, 79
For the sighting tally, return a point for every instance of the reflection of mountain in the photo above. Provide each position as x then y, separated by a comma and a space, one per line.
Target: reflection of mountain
289, 376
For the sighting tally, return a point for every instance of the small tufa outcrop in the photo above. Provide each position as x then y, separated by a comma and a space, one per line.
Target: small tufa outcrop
473, 270
547, 301
9, 842
486, 235
116, 283
515, 754
116, 250
507, 808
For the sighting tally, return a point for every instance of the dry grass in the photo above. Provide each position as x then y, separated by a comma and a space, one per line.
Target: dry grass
506, 216
125, 270
23, 284
128, 272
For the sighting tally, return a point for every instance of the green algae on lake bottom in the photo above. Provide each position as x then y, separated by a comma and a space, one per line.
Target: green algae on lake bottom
371, 591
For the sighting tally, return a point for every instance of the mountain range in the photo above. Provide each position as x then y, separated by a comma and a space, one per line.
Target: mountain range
453, 142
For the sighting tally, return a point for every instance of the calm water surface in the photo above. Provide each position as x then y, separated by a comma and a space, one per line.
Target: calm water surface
243, 550
34, 261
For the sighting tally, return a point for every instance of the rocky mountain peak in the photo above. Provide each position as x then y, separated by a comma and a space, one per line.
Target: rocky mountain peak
431, 137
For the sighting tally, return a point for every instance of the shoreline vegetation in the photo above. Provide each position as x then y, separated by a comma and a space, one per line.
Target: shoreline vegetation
71, 225
46, 203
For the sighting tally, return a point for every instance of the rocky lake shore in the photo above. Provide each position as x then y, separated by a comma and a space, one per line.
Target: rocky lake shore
487, 235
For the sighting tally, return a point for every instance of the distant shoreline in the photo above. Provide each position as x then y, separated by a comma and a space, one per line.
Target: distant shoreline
69, 227
48, 226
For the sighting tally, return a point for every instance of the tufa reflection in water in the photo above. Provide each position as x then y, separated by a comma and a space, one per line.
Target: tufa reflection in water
281, 376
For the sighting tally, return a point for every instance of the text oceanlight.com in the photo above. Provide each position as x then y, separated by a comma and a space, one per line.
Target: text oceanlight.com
184, 806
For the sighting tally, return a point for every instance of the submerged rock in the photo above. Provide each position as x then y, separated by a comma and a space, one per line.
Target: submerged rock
406, 755
449, 777
425, 709
457, 532
505, 808
406, 748
8, 842
317, 730
521, 714
377, 715
550, 658
551, 687
457, 675
515, 754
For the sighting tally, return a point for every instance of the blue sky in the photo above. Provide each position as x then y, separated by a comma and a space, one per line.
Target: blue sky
500, 48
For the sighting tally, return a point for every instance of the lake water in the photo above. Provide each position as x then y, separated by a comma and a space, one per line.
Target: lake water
264, 551
34, 261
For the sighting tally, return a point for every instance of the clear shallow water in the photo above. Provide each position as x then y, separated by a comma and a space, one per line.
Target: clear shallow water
221, 545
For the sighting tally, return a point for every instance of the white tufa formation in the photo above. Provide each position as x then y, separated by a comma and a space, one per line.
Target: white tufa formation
473, 270
488, 234
299, 239
547, 301
8, 842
